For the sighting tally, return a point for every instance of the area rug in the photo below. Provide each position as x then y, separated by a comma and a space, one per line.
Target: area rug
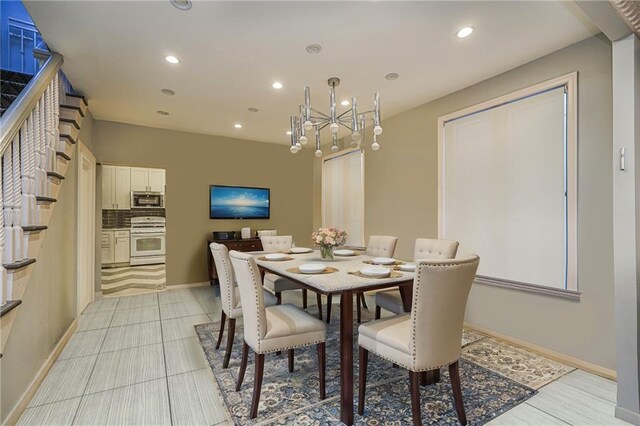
293, 398
517, 364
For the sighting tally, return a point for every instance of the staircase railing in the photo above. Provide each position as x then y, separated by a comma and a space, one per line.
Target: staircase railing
29, 138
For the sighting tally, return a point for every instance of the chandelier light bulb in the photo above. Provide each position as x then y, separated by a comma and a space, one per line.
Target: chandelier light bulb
334, 148
354, 143
308, 125
298, 146
377, 130
356, 136
303, 140
318, 153
293, 149
375, 146
334, 127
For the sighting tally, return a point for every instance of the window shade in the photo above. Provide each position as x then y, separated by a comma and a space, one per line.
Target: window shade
504, 188
343, 195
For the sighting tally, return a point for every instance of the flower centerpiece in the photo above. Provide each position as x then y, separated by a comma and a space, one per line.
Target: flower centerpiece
327, 238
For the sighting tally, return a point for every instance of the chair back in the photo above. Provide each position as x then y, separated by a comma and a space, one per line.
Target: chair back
226, 277
276, 242
440, 292
427, 248
251, 297
381, 246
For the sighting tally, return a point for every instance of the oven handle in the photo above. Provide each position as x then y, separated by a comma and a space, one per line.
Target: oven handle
148, 235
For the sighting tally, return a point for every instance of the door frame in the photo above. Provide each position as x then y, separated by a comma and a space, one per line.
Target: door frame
86, 243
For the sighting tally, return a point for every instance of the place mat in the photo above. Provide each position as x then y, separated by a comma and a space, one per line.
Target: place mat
393, 274
290, 252
328, 270
397, 268
396, 263
284, 259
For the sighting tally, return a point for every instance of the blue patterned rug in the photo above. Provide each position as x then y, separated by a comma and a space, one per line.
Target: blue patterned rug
293, 398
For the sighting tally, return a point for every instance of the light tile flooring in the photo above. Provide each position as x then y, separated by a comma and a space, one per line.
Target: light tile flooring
136, 360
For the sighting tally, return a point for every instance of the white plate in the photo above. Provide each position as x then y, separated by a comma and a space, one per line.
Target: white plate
312, 268
408, 267
375, 271
344, 252
275, 256
383, 260
298, 250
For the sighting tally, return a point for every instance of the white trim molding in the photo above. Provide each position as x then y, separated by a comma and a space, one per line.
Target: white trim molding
570, 82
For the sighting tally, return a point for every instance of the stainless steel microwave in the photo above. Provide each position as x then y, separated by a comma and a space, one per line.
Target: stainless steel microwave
147, 200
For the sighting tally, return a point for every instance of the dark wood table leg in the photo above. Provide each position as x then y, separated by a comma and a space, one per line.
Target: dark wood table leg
346, 358
406, 293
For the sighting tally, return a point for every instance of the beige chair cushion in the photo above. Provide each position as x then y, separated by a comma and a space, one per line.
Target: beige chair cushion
381, 246
236, 312
277, 284
390, 300
276, 242
427, 248
388, 338
290, 327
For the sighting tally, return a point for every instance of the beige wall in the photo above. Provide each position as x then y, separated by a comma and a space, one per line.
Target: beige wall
49, 303
195, 161
401, 199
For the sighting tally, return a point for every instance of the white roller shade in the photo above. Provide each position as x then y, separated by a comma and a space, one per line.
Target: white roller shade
504, 188
343, 195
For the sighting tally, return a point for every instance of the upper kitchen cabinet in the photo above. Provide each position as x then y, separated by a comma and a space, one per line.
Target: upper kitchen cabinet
116, 187
147, 180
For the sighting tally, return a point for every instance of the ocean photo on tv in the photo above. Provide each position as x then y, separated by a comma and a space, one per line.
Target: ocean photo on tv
232, 202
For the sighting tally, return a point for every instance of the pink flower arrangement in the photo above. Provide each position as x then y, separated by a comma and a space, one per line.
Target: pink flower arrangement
329, 237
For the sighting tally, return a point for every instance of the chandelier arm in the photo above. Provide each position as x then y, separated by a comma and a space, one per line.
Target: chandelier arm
344, 113
319, 119
344, 125
321, 113
323, 126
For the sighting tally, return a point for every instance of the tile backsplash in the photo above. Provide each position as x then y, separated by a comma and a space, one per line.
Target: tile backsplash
122, 218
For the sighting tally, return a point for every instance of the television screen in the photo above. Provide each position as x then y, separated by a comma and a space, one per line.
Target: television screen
237, 202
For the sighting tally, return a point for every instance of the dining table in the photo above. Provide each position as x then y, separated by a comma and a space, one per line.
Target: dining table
344, 283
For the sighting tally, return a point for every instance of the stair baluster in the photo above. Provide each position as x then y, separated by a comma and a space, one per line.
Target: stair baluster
7, 189
17, 201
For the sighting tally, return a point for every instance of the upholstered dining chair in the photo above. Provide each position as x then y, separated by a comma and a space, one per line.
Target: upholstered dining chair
230, 297
378, 246
425, 248
429, 337
273, 282
272, 329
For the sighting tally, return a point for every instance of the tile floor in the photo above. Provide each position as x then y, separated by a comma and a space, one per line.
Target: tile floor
136, 360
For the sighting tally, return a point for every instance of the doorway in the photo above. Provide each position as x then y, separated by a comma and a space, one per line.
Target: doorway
85, 274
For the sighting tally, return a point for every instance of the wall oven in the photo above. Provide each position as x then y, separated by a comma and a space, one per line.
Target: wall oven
147, 240
147, 200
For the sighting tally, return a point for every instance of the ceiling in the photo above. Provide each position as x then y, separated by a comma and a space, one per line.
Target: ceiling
231, 53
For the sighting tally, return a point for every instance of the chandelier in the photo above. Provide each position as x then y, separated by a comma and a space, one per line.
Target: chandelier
310, 121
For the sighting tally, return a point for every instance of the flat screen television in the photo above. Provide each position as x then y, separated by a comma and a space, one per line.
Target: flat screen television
238, 202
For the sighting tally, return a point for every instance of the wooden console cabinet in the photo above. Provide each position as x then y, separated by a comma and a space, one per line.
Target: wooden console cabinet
252, 244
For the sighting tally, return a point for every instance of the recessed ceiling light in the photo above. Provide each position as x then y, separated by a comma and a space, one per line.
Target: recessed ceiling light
172, 59
238, 126
168, 92
392, 76
314, 48
464, 32
181, 4
253, 109
162, 112
288, 132
344, 103
277, 85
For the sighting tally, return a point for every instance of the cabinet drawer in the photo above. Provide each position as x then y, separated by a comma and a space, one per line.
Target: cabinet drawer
244, 245
122, 234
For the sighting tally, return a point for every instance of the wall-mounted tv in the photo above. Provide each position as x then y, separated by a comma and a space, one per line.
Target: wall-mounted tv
238, 202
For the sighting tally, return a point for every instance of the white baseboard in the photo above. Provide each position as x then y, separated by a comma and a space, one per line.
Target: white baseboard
627, 415
556, 356
31, 390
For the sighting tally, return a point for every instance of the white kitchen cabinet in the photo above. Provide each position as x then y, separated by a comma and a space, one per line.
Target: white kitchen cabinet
139, 179
116, 187
156, 180
108, 187
107, 246
122, 249
147, 180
